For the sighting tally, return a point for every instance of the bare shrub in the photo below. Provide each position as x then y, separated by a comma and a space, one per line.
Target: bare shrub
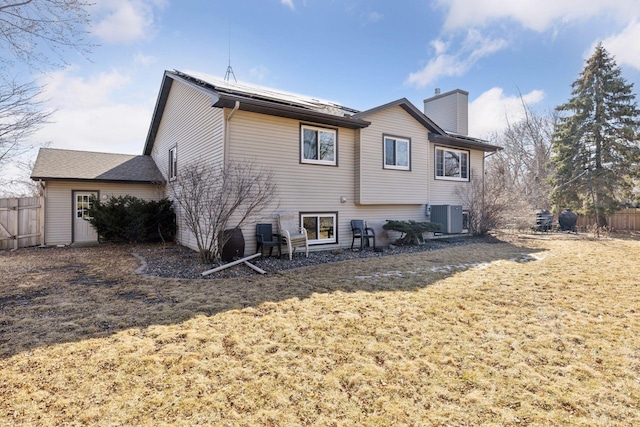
600, 231
484, 203
212, 199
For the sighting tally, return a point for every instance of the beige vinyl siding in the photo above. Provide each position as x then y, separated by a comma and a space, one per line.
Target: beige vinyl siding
357, 142
196, 130
443, 192
190, 124
443, 111
449, 111
274, 143
59, 203
388, 186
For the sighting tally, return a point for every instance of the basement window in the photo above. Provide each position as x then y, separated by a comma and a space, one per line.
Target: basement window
321, 227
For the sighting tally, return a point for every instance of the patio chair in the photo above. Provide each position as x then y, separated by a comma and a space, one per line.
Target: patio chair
361, 231
292, 234
266, 238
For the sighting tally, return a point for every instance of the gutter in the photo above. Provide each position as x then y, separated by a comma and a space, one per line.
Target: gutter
254, 105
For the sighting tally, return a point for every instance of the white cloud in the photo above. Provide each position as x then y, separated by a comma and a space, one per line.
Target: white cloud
144, 60
70, 91
439, 46
475, 17
372, 17
288, 3
259, 73
474, 47
537, 15
624, 46
124, 21
493, 109
90, 117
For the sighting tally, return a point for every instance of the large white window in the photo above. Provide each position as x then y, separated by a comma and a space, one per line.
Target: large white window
452, 164
318, 145
173, 163
397, 152
321, 227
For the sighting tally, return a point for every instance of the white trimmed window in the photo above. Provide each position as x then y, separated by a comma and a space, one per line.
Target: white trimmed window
452, 164
397, 153
173, 163
318, 145
321, 227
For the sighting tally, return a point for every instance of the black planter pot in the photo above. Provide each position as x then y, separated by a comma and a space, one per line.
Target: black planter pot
234, 248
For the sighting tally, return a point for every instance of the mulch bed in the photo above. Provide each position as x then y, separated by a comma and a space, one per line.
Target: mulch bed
176, 261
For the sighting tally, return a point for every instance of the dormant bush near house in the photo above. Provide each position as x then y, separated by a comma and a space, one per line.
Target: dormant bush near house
211, 199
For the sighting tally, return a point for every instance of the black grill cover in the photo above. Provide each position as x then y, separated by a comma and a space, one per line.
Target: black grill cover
567, 220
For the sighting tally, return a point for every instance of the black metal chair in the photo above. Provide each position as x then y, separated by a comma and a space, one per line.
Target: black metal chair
361, 231
265, 238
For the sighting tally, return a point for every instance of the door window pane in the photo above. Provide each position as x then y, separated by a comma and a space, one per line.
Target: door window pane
83, 204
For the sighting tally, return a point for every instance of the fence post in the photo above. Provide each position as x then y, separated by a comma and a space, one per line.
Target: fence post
13, 221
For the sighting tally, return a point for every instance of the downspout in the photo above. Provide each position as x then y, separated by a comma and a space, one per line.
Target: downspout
226, 132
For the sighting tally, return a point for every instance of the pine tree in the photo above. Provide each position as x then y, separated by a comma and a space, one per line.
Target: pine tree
596, 151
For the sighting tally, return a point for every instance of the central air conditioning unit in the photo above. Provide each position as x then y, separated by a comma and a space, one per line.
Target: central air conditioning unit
449, 217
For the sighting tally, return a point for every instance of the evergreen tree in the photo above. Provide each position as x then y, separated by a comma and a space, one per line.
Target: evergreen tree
596, 152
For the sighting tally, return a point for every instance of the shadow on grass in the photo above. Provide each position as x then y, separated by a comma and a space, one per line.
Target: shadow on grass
53, 296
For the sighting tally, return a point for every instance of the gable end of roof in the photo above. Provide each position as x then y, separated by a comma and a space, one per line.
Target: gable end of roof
225, 97
411, 109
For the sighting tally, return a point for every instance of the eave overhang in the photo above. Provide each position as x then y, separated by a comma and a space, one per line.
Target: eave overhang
463, 142
113, 181
253, 105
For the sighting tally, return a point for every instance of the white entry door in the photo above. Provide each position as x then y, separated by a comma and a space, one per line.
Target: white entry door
83, 231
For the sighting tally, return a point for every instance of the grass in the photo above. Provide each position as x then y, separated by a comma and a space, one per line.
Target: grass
535, 331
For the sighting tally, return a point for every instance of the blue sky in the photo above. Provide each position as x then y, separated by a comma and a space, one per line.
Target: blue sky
359, 53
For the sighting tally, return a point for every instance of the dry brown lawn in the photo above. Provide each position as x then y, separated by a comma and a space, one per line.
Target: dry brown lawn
535, 331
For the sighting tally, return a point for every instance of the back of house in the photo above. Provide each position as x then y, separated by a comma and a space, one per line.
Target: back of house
331, 164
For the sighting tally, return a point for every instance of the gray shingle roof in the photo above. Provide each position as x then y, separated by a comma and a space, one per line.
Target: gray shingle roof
56, 164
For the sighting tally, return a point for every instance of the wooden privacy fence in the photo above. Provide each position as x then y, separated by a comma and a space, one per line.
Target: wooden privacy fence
624, 220
21, 222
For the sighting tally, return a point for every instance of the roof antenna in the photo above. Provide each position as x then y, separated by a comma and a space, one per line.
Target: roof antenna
229, 69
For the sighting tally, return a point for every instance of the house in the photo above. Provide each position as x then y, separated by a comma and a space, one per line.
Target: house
68, 178
389, 162
331, 163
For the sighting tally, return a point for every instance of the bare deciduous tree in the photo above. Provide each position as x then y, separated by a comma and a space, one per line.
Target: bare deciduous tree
484, 201
37, 34
211, 199
40, 32
21, 114
522, 168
